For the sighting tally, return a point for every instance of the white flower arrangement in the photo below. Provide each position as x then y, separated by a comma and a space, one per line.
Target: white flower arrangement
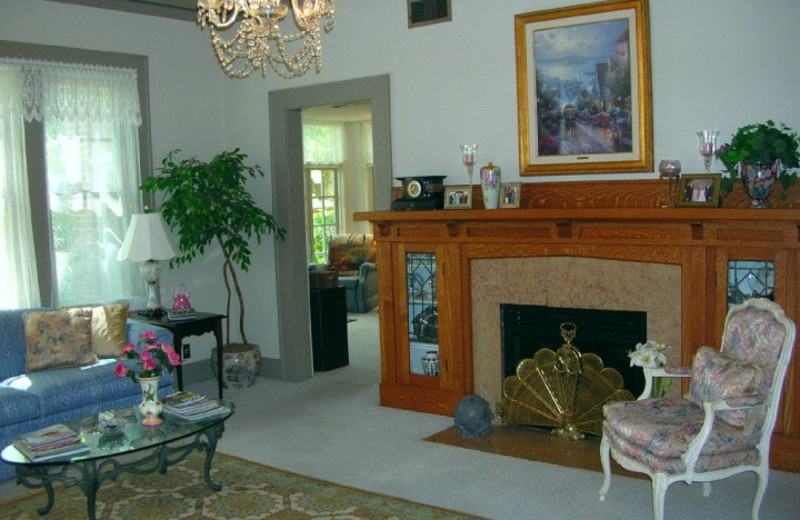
650, 354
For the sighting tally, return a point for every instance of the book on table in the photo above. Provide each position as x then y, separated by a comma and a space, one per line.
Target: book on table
182, 314
192, 407
56, 441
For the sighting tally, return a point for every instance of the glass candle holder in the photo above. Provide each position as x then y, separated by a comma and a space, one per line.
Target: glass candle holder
707, 140
469, 154
669, 170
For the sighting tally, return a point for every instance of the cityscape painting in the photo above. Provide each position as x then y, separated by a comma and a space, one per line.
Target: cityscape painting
583, 99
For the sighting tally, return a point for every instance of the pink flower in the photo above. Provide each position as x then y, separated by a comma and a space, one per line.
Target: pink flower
122, 371
148, 335
128, 347
172, 356
148, 363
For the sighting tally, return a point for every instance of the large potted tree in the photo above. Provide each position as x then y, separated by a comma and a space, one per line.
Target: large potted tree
207, 203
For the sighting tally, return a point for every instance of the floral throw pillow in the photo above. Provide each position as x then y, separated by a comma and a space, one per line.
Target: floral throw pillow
58, 338
717, 377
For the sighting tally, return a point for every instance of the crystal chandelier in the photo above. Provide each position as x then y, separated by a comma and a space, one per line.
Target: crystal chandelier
258, 41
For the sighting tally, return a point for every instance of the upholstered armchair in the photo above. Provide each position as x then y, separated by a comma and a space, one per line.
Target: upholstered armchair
353, 257
723, 425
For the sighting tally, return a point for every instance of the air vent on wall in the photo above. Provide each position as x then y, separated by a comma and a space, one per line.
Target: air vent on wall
426, 12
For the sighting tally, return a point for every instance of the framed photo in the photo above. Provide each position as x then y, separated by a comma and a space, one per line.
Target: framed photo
509, 194
699, 190
458, 197
583, 89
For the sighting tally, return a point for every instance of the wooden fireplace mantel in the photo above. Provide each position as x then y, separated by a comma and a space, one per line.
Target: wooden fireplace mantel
699, 240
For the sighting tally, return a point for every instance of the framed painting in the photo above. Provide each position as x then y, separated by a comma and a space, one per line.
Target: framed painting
583, 89
699, 190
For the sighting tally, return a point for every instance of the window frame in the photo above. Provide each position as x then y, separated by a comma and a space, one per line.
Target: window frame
337, 200
35, 142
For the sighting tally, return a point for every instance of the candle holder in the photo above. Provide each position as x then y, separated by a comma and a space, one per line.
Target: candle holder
469, 153
708, 145
670, 170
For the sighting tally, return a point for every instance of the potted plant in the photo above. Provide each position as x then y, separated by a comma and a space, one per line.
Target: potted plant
206, 202
761, 153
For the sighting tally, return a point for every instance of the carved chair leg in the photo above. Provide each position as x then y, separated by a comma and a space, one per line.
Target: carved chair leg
762, 477
659, 491
605, 460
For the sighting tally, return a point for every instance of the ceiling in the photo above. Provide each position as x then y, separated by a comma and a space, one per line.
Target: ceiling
177, 9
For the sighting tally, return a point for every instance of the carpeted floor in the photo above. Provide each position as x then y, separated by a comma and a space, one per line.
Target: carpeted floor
250, 491
533, 444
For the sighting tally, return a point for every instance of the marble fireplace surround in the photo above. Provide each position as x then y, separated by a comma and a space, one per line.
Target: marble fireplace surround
560, 281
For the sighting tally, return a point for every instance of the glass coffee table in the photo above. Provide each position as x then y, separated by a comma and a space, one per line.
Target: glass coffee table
118, 443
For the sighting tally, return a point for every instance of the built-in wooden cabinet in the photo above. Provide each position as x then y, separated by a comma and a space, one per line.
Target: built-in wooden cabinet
702, 243
421, 368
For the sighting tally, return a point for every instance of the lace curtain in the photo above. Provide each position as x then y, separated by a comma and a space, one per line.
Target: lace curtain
323, 143
78, 92
90, 116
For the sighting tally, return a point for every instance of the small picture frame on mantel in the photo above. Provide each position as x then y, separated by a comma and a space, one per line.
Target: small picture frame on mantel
509, 194
699, 190
458, 196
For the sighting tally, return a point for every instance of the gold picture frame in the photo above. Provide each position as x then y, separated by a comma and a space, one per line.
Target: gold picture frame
458, 196
509, 194
699, 190
584, 108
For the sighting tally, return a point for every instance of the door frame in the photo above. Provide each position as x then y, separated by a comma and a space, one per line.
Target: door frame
288, 200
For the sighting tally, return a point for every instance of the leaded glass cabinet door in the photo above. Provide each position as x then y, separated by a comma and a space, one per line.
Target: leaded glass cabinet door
422, 313
749, 273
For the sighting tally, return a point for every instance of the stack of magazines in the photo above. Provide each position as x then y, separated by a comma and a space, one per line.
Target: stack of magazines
57, 441
193, 407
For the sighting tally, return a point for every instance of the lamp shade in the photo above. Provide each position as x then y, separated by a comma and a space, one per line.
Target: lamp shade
147, 239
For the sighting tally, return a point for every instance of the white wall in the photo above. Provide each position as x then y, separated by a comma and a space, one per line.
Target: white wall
716, 64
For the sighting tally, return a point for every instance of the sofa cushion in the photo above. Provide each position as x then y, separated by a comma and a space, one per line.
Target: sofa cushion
109, 324
76, 387
58, 338
17, 406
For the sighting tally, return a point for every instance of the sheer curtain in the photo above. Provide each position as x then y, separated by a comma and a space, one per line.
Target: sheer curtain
90, 116
17, 258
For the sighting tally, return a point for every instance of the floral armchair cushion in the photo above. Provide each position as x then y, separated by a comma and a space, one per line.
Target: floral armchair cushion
717, 377
348, 252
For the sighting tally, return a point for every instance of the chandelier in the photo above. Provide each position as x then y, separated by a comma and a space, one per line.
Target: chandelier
259, 42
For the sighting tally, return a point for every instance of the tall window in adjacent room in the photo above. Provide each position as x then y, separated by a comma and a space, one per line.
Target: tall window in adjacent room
323, 155
81, 127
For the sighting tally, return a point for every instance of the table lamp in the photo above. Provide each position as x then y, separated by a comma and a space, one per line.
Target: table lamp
148, 241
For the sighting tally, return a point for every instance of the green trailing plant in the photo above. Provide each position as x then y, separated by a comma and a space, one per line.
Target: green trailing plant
764, 143
207, 202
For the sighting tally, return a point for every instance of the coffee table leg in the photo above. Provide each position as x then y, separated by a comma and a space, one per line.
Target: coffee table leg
212, 434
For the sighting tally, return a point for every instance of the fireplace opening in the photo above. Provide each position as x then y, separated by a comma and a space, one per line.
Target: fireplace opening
525, 329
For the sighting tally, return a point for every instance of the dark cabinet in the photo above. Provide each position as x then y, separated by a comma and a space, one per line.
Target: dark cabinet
329, 328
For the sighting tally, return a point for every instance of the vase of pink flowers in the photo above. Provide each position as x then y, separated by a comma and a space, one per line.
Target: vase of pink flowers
151, 358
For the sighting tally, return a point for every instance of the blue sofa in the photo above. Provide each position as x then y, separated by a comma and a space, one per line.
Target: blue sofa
38, 399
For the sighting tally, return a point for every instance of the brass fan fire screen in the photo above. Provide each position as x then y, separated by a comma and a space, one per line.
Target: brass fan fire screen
564, 390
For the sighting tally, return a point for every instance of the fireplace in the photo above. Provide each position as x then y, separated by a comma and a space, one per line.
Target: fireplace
568, 282
610, 334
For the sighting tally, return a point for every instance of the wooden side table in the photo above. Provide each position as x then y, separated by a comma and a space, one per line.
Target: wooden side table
205, 322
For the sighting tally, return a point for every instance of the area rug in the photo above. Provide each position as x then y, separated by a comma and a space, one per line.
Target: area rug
249, 491
533, 444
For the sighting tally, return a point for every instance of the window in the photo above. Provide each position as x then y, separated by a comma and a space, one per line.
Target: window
323, 188
82, 166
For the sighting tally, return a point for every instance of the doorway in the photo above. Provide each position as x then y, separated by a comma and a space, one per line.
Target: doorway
288, 192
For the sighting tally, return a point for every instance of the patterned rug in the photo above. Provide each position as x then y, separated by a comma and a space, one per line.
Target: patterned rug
249, 491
